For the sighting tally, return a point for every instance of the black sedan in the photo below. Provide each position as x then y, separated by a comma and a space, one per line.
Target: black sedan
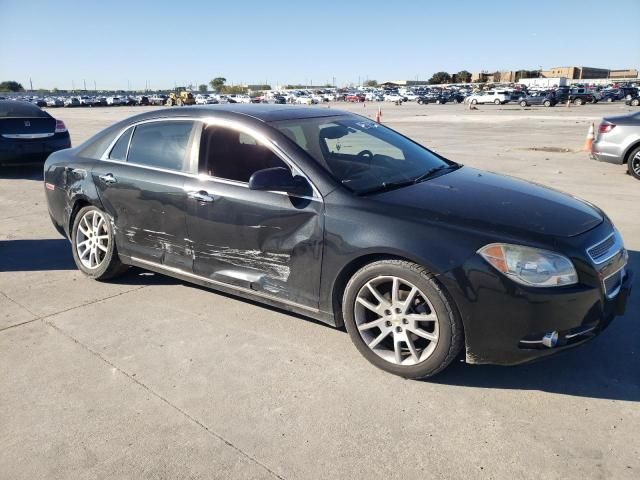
336, 217
28, 134
548, 99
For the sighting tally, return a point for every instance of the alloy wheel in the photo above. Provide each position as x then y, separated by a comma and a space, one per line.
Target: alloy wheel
92, 239
635, 164
396, 320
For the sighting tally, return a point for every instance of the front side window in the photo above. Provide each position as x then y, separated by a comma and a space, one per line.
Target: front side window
161, 144
361, 154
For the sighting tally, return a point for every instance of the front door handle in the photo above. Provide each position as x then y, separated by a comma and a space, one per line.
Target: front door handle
201, 196
108, 178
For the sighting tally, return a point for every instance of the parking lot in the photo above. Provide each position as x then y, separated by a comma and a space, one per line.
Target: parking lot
149, 377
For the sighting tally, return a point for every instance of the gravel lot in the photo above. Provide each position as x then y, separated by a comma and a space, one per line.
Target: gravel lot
148, 377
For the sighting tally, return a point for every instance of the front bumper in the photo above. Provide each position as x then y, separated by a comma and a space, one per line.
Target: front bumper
507, 324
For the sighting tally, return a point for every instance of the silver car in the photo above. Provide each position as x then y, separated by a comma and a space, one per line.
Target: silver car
618, 141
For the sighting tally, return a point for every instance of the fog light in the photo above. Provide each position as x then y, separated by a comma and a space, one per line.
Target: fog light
550, 339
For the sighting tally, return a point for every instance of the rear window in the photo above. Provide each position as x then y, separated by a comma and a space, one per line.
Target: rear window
15, 109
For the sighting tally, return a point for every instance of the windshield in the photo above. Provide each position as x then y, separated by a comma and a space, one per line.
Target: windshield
361, 154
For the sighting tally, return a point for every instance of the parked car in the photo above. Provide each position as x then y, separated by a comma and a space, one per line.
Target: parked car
578, 96
393, 97
355, 97
548, 99
114, 101
498, 97
439, 99
618, 141
452, 259
158, 99
72, 102
454, 97
54, 102
28, 134
633, 101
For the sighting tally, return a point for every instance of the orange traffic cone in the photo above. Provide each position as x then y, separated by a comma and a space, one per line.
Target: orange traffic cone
589, 140
379, 115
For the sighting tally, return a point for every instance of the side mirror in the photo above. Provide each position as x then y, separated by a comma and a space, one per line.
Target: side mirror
279, 179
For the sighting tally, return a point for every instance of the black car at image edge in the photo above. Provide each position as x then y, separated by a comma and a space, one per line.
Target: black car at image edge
28, 134
336, 217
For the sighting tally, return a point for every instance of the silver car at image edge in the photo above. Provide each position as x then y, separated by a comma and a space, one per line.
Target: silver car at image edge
618, 141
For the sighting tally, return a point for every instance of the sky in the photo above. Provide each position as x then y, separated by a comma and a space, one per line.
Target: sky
131, 44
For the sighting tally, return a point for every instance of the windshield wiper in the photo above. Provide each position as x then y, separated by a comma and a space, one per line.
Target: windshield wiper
384, 186
433, 171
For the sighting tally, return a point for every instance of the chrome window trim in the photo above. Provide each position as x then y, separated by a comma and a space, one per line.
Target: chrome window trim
208, 121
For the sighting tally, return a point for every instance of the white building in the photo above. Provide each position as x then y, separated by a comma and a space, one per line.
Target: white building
543, 82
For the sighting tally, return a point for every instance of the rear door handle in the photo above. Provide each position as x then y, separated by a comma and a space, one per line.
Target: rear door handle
108, 178
201, 196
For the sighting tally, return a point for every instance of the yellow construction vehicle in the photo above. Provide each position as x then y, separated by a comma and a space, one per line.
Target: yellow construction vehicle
180, 98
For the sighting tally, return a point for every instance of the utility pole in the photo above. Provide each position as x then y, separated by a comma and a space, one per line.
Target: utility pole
31, 84
85, 85
95, 89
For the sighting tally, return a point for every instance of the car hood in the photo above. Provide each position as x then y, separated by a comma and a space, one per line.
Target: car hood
485, 200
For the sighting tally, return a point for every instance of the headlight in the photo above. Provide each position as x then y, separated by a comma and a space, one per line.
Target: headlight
530, 266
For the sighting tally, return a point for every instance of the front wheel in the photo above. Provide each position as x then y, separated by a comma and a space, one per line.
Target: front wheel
523, 103
497, 102
94, 246
401, 320
578, 101
634, 163
635, 102
547, 103
474, 101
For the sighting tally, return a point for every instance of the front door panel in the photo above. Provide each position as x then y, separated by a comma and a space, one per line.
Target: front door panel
265, 241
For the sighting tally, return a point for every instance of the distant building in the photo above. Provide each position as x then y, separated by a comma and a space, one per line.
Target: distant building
403, 83
628, 73
575, 73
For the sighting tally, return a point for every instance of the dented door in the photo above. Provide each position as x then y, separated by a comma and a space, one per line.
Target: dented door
265, 241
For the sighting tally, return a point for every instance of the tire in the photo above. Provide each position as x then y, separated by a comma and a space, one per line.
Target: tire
474, 101
496, 102
523, 103
547, 103
578, 101
420, 102
635, 102
108, 264
420, 357
633, 164
609, 99
437, 102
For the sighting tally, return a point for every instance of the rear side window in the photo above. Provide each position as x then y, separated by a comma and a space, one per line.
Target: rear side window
119, 150
161, 144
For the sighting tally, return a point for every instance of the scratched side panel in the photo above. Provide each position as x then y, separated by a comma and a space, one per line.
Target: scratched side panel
148, 208
264, 241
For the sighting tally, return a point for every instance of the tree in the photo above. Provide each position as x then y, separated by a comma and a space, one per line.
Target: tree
203, 88
371, 83
462, 77
11, 86
217, 83
440, 77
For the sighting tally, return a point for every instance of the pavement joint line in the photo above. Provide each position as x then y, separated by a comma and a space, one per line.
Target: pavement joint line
19, 216
165, 400
49, 315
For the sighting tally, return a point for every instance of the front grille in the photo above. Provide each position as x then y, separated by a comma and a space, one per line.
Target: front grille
613, 283
606, 249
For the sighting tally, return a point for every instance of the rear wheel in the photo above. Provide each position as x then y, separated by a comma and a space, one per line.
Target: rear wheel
634, 163
578, 101
400, 319
496, 101
547, 103
94, 246
474, 101
523, 103
609, 99
635, 102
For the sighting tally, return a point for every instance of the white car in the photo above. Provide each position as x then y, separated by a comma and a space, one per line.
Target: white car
393, 97
317, 98
202, 99
114, 101
373, 97
241, 98
498, 97
410, 96
304, 100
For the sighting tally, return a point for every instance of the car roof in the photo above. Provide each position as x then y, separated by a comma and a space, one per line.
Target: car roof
259, 111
